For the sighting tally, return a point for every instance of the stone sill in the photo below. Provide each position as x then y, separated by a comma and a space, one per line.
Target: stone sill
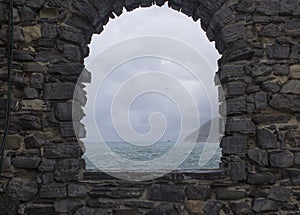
178, 175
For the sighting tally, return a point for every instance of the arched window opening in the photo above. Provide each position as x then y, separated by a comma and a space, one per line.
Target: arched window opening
147, 104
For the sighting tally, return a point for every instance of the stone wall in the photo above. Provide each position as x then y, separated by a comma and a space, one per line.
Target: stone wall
43, 172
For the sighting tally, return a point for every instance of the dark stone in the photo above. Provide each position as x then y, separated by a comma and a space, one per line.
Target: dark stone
59, 90
225, 194
67, 69
281, 70
47, 165
34, 141
139, 204
75, 190
236, 88
22, 189
49, 31
271, 86
270, 30
72, 53
267, 7
99, 203
40, 209
278, 193
72, 129
233, 71
281, 159
277, 51
65, 112
48, 55
198, 192
236, 106
30, 122
231, 33
67, 170
36, 4
31, 93
33, 67
8, 206
266, 139
265, 205
127, 212
241, 125
53, 191
163, 209
261, 101
23, 55
261, 70
27, 14
234, 144
293, 175
116, 192
66, 205
240, 208
260, 157
293, 138
37, 81
237, 169
270, 119
261, 179
62, 150
257, 193
170, 193
213, 207
26, 162
71, 35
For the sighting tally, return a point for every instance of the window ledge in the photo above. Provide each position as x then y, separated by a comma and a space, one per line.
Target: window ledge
178, 175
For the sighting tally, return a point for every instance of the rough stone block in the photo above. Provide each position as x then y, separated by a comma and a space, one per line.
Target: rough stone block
67, 170
59, 91
62, 150
277, 51
32, 33
213, 207
241, 125
49, 31
281, 159
260, 157
239, 208
116, 192
30, 93
278, 193
22, 189
75, 190
261, 179
226, 194
37, 80
47, 165
266, 139
169, 193
236, 106
236, 88
198, 192
237, 169
53, 191
26, 162
66, 205
292, 86
295, 71
234, 144
265, 205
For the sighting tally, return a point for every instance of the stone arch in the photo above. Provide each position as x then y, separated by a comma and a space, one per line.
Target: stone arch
259, 68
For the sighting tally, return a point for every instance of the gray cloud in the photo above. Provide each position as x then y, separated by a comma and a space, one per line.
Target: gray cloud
151, 21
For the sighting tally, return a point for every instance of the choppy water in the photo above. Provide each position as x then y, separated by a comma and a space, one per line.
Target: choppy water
210, 154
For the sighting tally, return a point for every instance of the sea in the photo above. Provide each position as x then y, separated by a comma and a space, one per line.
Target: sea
203, 155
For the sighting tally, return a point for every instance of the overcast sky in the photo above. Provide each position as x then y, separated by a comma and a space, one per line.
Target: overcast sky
156, 21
